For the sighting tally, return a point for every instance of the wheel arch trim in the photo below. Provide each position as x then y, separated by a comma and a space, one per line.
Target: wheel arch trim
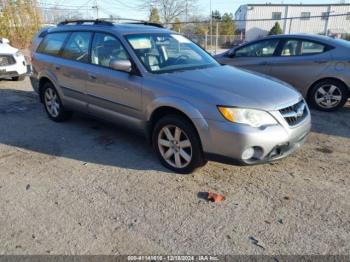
51, 78
309, 90
184, 107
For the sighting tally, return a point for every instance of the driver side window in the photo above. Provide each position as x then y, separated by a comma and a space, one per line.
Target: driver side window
106, 48
259, 49
77, 47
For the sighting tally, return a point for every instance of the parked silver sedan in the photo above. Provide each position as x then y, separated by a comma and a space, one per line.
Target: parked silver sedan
318, 66
159, 83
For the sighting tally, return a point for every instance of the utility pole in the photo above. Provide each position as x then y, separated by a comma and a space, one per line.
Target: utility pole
186, 11
150, 8
217, 37
211, 27
96, 7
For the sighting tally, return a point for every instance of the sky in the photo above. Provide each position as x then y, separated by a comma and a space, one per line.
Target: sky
130, 9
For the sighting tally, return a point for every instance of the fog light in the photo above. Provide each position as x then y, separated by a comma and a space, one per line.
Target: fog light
248, 153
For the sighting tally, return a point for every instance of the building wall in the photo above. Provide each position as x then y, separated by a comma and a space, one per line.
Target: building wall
341, 25
258, 29
240, 15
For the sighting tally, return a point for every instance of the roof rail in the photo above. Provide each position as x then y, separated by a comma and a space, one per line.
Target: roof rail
138, 22
109, 21
147, 23
84, 21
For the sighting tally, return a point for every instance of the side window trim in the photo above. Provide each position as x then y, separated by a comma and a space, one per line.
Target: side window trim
278, 47
93, 33
90, 47
64, 45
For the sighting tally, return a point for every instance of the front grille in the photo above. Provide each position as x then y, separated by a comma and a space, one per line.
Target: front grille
295, 114
6, 60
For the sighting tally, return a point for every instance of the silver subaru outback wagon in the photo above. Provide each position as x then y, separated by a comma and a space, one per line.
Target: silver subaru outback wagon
160, 83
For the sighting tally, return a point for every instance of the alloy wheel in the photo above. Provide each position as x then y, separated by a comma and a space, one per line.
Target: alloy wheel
328, 96
175, 147
52, 102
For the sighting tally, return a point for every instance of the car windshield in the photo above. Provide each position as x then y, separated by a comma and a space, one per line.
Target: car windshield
165, 53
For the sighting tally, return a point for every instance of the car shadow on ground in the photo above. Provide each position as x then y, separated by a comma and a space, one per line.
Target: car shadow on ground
24, 124
332, 123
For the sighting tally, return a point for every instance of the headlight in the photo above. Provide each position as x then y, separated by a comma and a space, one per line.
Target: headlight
252, 117
18, 54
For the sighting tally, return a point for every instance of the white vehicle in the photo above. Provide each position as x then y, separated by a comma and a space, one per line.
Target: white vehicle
12, 62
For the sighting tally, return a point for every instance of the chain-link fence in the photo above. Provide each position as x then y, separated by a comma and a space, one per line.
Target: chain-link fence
214, 37
216, 43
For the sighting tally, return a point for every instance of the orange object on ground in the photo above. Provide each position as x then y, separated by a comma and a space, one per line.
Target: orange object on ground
215, 197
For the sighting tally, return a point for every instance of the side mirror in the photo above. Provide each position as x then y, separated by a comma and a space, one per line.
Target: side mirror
231, 53
121, 65
4, 41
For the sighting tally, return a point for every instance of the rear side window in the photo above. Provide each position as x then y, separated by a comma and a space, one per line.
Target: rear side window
77, 47
295, 47
52, 43
310, 48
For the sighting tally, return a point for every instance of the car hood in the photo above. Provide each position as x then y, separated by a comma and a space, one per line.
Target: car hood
225, 85
221, 55
7, 49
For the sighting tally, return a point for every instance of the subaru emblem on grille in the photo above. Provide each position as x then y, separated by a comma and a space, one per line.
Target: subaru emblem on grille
300, 110
295, 113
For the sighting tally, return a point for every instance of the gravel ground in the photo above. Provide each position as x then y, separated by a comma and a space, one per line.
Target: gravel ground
87, 187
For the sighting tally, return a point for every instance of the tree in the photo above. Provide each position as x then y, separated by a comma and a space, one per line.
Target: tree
201, 29
216, 15
19, 21
170, 9
227, 25
177, 25
154, 16
276, 29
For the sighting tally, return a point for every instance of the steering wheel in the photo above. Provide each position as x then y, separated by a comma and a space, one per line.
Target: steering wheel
182, 57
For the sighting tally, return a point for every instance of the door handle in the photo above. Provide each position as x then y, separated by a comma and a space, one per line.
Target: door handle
320, 62
57, 67
92, 76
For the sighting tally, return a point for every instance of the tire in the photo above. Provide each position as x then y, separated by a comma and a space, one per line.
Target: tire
53, 105
323, 94
18, 78
181, 150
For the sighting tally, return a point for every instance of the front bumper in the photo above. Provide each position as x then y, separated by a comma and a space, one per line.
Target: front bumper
227, 141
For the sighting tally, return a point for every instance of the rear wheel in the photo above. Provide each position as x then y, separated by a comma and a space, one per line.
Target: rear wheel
53, 104
328, 95
177, 144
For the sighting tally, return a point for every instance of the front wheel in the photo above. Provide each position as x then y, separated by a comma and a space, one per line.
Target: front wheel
53, 104
177, 144
328, 95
